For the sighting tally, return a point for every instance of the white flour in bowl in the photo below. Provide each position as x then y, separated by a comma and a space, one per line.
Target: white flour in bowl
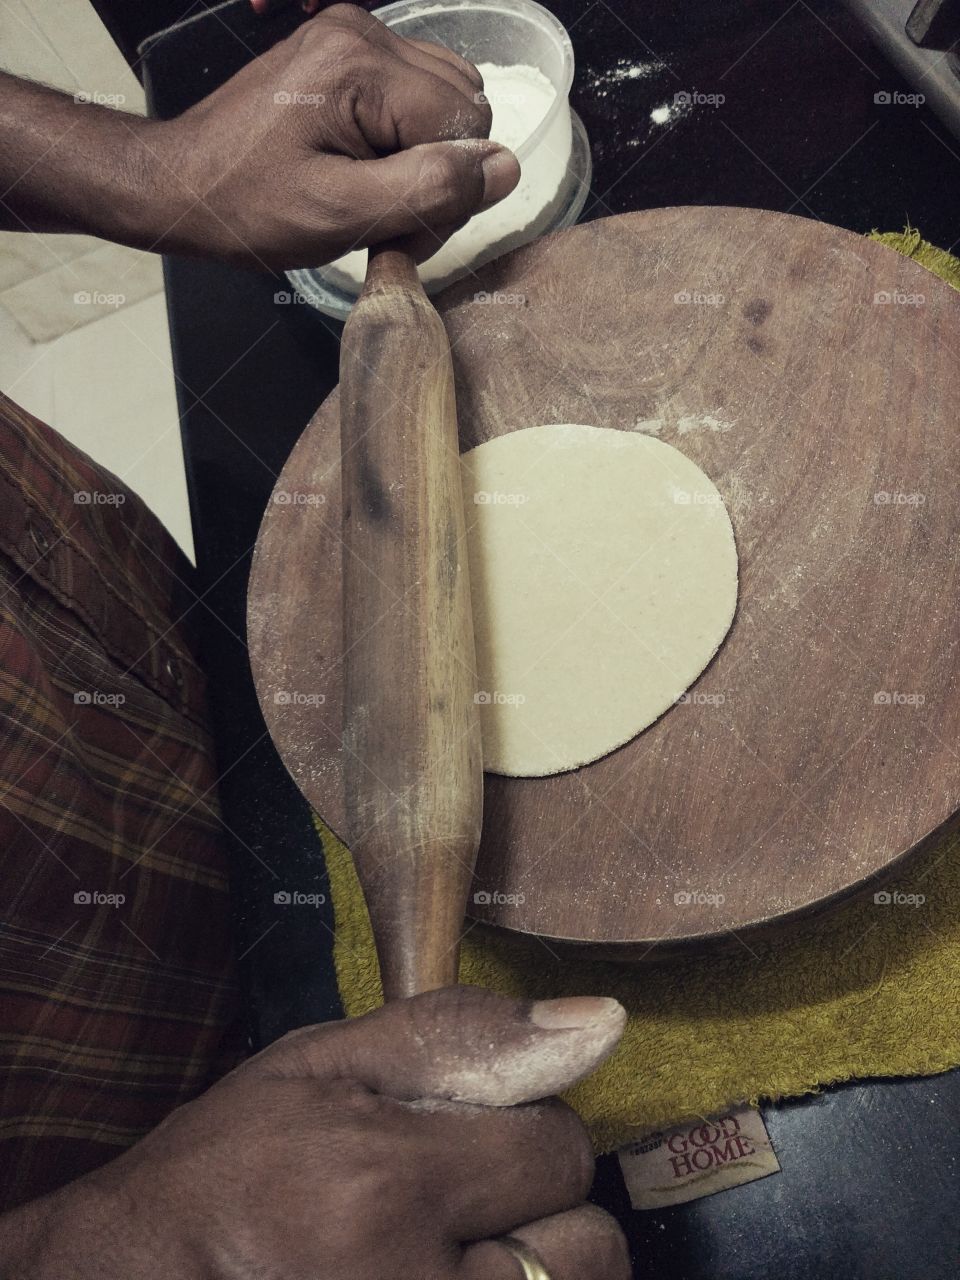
520, 96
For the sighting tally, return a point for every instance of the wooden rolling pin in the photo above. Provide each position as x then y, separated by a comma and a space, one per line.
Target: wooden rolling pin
413, 770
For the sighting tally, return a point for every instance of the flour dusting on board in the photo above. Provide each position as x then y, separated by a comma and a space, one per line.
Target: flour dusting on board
684, 423
703, 422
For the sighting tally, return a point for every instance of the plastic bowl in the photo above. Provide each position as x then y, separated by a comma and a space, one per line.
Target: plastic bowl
554, 157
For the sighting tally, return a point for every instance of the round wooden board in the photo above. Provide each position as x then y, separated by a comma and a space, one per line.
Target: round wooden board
827, 747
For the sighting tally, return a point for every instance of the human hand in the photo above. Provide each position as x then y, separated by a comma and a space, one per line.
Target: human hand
342, 135
385, 1148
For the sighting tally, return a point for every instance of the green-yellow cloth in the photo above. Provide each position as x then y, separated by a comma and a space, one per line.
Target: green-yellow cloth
909, 243
866, 990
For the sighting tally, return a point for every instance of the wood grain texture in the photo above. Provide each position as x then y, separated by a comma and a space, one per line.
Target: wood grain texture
412, 772
814, 766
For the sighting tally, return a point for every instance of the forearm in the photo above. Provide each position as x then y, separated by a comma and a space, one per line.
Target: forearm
70, 166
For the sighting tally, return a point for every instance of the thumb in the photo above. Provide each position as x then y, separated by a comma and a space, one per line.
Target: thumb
435, 187
460, 1043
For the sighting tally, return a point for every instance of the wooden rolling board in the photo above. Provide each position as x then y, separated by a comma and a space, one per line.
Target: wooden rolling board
813, 766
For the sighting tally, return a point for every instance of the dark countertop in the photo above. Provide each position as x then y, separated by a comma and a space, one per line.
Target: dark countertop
869, 1170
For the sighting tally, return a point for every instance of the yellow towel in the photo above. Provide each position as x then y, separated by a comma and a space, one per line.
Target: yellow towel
869, 989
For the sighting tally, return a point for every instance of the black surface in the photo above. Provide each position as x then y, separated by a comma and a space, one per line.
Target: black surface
130, 22
868, 1188
250, 373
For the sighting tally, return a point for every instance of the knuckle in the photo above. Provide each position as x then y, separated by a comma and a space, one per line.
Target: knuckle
289, 1038
356, 1101
610, 1244
338, 45
349, 15
299, 1041
284, 1057
335, 42
372, 1178
576, 1146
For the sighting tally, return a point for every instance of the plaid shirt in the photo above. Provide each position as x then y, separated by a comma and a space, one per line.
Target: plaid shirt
117, 997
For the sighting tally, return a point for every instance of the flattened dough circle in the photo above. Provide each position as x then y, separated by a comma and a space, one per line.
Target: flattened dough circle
603, 570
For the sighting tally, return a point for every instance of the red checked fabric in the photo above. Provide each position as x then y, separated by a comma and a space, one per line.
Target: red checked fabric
117, 995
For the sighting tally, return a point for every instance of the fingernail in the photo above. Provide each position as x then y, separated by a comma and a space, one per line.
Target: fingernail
501, 173
575, 1011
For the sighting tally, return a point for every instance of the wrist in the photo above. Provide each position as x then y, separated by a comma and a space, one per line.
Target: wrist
166, 175
134, 188
146, 201
86, 1232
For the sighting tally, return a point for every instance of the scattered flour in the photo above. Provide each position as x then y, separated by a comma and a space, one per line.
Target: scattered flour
670, 112
623, 70
684, 423
702, 422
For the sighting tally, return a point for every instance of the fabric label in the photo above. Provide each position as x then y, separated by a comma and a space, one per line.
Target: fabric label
697, 1159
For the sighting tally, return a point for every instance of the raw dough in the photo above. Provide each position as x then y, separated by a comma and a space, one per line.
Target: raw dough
604, 577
